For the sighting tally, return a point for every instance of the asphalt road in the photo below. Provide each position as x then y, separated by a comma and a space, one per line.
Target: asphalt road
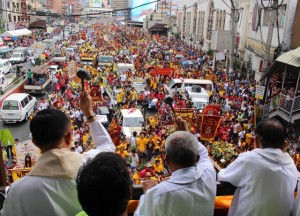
19, 130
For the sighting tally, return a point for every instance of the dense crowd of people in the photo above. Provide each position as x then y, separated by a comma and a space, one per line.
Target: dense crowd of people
167, 156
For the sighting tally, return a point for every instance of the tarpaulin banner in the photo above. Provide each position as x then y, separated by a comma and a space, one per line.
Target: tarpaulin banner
211, 110
186, 114
166, 71
26, 148
95, 92
16, 174
162, 71
209, 127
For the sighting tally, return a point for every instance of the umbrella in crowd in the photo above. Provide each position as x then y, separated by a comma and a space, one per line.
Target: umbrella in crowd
179, 56
7, 38
191, 53
188, 62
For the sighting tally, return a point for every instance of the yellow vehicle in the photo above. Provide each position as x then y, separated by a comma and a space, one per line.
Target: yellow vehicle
89, 61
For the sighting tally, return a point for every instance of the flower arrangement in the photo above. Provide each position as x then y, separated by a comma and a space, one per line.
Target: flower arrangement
223, 153
75, 87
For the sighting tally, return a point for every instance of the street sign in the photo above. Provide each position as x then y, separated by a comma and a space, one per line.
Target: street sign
260, 91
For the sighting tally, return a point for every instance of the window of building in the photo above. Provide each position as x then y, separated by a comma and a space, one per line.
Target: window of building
19, 18
195, 19
179, 21
188, 23
201, 17
210, 21
8, 5
15, 19
18, 6
9, 17
184, 21
223, 19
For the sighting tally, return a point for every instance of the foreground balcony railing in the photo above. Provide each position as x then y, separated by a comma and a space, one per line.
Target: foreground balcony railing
283, 103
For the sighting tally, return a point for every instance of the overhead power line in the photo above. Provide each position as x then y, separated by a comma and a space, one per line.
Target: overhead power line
87, 14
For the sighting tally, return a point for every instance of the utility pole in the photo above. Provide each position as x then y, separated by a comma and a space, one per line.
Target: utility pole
267, 48
233, 34
170, 31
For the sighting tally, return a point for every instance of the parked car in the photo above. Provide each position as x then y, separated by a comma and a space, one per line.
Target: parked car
5, 66
17, 107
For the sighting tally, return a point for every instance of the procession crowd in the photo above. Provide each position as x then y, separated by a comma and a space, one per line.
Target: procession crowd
174, 168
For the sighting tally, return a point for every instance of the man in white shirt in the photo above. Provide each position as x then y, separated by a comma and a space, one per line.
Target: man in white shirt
134, 159
192, 188
265, 177
133, 139
78, 148
123, 77
50, 189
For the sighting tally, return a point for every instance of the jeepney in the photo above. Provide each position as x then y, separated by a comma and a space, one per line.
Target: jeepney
40, 82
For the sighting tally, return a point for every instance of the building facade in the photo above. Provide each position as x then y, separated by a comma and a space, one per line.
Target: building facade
196, 21
19, 13
265, 37
119, 5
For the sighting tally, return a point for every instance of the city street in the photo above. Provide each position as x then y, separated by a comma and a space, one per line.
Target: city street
19, 130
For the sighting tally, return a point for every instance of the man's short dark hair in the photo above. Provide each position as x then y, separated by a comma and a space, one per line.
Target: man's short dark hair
271, 133
103, 185
48, 127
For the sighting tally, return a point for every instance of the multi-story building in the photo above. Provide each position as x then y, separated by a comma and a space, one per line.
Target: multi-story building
15, 16
101, 14
56, 6
196, 21
157, 20
121, 4
264, 36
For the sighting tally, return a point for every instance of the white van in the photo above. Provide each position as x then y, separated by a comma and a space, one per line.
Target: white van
122, 67
199, 103
132, 120
5, 66
17, 107
197, 92
182, 85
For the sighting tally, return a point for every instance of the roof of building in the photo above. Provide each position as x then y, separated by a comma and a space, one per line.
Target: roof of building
40, 24
290, 58
158, 28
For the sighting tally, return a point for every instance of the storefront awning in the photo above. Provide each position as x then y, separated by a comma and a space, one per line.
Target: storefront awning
40, 24
158, 28
290, 58
19, 32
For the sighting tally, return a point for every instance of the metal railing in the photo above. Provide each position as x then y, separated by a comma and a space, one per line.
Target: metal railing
296, 106
283, 103
266, 110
